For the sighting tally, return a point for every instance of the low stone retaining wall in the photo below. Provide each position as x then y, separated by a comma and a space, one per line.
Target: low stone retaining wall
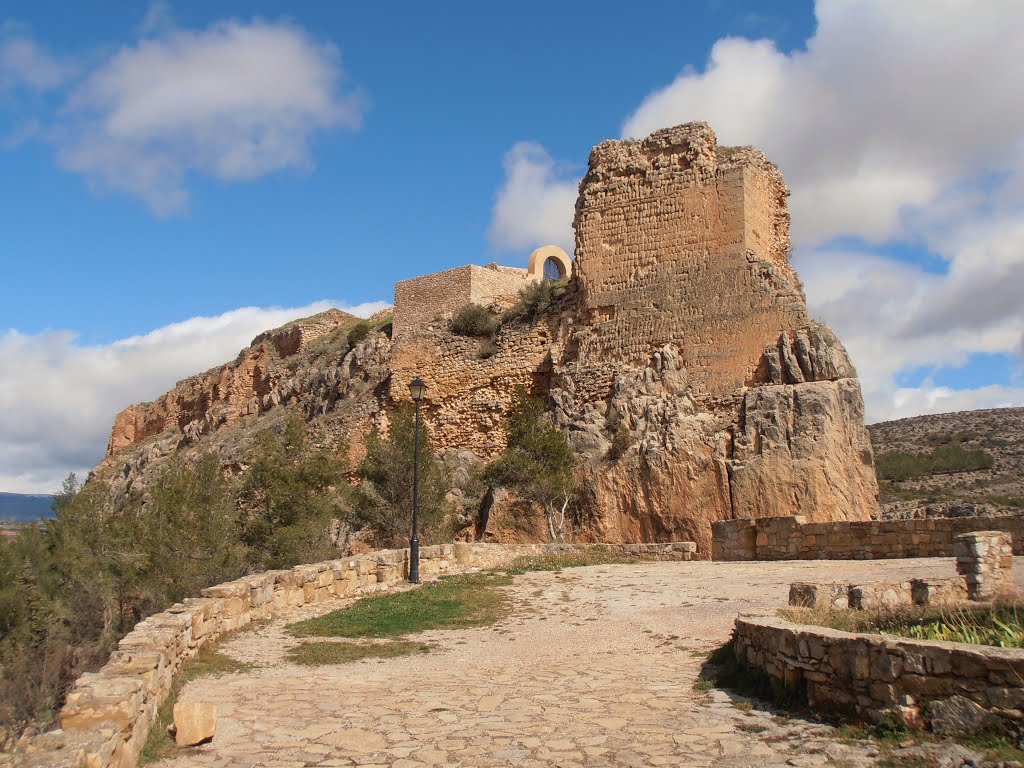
793, 538
107, 716
948, 687
984, 560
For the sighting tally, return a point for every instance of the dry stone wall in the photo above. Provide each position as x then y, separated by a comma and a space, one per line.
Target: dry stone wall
925, 684
793, 538
107, 716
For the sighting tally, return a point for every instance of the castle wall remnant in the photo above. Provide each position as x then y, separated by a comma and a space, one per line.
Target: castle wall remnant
420, 300
794, 538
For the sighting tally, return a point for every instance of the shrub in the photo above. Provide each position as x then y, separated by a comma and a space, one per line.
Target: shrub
487, 349
945, 459
535, 300
537, 464
383, 501
358, 332
474, 320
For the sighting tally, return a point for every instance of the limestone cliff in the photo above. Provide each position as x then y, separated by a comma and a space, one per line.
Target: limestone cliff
683, 363
310, 365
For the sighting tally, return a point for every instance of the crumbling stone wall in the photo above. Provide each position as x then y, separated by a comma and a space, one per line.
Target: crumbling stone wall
693, 334
793, 538
985, 561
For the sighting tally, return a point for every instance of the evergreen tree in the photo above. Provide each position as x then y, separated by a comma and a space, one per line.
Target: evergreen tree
383, 501
289, 497
537, 464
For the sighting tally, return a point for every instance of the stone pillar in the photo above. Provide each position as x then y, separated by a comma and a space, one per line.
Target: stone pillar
985, 561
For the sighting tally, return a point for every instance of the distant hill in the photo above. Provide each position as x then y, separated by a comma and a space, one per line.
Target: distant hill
970, 457
25, 507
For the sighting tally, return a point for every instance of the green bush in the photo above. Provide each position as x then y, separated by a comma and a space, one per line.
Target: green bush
383, 501
538, 464
535, 300
945, 459
358, 332
474, 320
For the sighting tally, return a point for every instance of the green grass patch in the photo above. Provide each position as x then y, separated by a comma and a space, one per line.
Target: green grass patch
319, 653
1001, 625
209, 661
455, 602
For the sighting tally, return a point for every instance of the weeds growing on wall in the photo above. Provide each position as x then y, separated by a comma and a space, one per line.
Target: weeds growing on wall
535, 300
1001, 625
474, 320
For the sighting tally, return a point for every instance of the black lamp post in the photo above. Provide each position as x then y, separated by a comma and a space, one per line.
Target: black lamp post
417, 389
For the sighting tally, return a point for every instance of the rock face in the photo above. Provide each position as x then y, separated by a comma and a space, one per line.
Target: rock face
308, 365
683, 363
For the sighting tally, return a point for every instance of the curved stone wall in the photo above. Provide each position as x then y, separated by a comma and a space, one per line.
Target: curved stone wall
108, 714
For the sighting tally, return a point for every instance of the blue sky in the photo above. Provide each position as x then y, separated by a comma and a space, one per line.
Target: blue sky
179, 176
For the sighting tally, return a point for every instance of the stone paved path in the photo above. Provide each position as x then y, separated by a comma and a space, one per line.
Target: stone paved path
596, 667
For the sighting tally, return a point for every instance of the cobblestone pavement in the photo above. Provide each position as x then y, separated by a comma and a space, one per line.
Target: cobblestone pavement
595, 667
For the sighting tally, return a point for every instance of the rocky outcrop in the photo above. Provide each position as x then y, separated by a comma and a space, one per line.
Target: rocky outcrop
308, 366
693, 334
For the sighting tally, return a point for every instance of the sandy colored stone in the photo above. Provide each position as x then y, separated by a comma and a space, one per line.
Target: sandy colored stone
194, 722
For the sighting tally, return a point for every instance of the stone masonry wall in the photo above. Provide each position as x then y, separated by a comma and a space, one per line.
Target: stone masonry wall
107, 716
793, 538
925, 684
469, 392
679, 241
420, 300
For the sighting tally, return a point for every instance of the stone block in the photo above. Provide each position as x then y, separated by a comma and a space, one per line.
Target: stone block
194, 723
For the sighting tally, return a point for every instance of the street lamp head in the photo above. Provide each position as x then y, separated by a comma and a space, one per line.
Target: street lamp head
417, 389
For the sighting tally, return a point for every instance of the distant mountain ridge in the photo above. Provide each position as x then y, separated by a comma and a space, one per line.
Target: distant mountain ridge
25, 507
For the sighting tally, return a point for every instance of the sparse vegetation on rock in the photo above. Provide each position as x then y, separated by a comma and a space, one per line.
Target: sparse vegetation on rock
535, 300
538, 465
474, 320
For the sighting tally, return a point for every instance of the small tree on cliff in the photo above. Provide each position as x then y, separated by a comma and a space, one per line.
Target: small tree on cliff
383, 501
289, 497
537, 464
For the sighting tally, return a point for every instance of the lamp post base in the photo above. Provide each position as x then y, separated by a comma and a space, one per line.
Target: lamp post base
414, 561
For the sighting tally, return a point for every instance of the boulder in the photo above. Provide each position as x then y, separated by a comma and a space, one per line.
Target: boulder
194, 723
957, 716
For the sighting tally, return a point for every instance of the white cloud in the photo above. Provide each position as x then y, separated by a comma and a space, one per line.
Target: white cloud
534, 206
897, 124
931, 399
889, 105
235, 101
58, 398
24, 64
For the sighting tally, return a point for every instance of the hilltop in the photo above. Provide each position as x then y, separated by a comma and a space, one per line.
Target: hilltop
980, 461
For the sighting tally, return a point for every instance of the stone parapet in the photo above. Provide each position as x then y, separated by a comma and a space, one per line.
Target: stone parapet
107, 715
869, 675
793, 538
